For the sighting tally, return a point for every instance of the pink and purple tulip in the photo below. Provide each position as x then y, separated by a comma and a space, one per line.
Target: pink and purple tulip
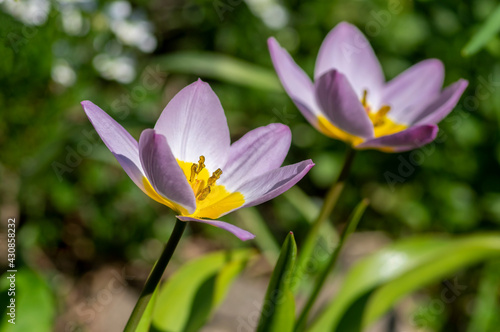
350, 100
188, 164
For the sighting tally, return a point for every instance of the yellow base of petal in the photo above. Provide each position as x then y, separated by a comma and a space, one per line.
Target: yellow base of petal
382, 126
218, 202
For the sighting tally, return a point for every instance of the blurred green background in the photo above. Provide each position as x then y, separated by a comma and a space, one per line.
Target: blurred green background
76, 209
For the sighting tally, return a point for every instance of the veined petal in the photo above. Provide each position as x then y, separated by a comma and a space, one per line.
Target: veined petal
273, 183
294, 80
347, 50
194, 124
238, 232
405, 93
257, 152
341, 105
405, 140
443, 104
123, 146
163, 171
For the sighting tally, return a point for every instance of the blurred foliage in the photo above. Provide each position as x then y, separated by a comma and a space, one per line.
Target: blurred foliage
79, 210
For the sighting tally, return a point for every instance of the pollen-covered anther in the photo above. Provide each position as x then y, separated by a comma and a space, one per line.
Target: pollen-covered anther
193, 172
380, 115
196, 168
201, 164
204, 193
215, 176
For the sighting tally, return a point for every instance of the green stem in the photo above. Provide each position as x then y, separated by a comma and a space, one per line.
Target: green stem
329, 203
349, 229
155, 277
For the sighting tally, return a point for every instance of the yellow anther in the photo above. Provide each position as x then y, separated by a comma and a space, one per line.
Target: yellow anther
380, 117
204, 193
201, 164
193, 172
215, 176
384, 110
363, 99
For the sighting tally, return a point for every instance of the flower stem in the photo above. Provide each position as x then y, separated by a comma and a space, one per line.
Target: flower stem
329, 203
348, 230
155, 276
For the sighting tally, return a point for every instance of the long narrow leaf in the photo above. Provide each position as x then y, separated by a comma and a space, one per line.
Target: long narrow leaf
189, 297
489, 29
221, 67
278, 311
405, 261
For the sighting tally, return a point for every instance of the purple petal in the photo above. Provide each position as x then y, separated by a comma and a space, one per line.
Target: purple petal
443, 104
240, 233
123, 146
273, 183
163, 171
257, 152
406, 92
405, 140
295, 81
341, 105
194, 124
347, 50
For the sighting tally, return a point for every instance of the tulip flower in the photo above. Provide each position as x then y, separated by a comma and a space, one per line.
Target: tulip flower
188, 164
350, 100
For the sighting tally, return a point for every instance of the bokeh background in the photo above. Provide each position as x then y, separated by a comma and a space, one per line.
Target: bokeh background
81, 220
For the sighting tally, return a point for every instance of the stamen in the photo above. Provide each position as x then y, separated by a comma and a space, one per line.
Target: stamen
193, 172
201, 164
204, 193
363, 99
384, 110
215, 176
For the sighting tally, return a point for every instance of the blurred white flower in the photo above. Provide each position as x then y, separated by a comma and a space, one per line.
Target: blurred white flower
29, 12
63, 74
120, 68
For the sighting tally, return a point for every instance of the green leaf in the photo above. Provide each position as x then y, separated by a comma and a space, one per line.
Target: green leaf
487, 304
489, 29
189, 297
34, 303
399, 269
221, 67
278, 309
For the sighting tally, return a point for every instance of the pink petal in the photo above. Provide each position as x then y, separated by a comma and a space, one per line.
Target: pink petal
405, 140
123, 146
194, 124
238, 232
347, 50
295, 82
257, 152
273, 183
163, 171
341, 104
407, 93
443, 104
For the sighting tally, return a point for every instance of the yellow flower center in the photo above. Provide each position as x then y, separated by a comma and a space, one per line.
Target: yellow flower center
382, 124
212, 199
